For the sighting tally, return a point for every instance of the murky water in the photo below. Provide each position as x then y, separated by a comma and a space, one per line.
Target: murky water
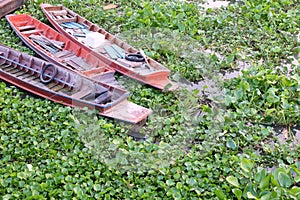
284, 135
212, 86
209, 84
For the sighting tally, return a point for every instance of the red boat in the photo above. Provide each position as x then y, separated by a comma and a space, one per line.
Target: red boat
113, 51
8, 6
67, 87
58, 49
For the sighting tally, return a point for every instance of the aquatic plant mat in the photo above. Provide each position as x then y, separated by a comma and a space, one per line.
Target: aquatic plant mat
218, 137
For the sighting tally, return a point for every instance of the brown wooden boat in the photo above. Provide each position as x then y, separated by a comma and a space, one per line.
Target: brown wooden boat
58, 49
8, 6
67, 87
113, 51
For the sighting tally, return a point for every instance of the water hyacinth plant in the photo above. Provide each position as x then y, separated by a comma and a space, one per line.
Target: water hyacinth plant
198, 144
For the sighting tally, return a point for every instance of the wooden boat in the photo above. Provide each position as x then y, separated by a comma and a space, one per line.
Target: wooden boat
67, 87
58, 49
113, 51
8, 6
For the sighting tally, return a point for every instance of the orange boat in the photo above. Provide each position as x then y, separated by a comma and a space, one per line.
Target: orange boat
8, 6
113, 51
67, 87
58, 49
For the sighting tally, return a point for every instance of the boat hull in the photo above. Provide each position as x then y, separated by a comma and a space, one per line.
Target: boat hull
24, 71
157, 77
8, 6
26, 26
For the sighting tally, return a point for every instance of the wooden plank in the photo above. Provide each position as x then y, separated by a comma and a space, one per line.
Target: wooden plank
22, 28
11, 70
68, 58
119, 50
82, 93
111, 52
32, 31
21, 73
59, 88
5, 66
66, 91
29, 75
73, 19
73, 65
62, 54
82, 63
52, 84
103, 97
8, 6
59, 12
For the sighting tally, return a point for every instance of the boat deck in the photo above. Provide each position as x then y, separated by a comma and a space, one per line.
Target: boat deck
63, 82
60, 50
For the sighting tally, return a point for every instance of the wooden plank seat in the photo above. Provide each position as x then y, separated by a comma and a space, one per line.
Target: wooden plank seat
23, 28
32, 31
73, 60
63, 54
59, 12
81, 93
73, 19
81, 63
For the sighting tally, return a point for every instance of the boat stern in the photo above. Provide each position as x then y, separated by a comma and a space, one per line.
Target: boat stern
128, 112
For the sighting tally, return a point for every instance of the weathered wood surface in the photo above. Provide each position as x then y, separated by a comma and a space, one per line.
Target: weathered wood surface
8, 6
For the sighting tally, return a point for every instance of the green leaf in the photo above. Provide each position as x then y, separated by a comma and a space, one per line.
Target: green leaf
21, 175
276, 49
297, 179
284, 180
97, 187
251, 196
231, 144
249, 188
6, 197
260, 175
233, 181
264, 183
29, 166
191, 181
97, 173
170, 182
220, 194
246, 165
295, 191
238, 193
266, 196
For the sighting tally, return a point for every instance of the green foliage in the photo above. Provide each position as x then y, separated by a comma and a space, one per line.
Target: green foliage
261, 184
198, 147
266, 97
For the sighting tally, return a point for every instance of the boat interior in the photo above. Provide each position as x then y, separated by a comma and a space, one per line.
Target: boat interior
57, 45
62, 49
102, 42
58, 80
